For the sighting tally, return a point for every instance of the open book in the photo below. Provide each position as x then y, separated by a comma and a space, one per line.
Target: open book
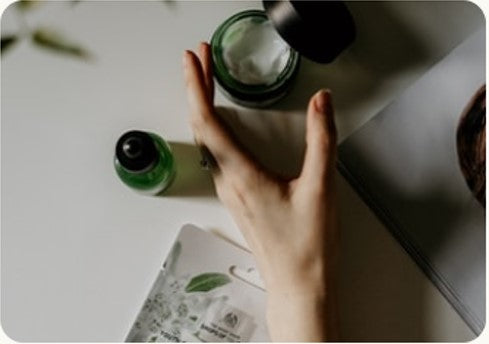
405, 166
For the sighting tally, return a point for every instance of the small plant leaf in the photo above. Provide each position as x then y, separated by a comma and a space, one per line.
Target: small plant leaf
54, 41
25, 5
207, 282
8, 42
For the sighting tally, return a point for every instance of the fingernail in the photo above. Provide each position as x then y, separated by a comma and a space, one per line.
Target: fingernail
322, 99
186, 56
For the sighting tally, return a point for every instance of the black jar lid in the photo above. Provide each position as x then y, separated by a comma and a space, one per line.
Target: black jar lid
318, 30
136, 151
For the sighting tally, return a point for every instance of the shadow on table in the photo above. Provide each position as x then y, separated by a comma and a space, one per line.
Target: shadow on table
384, 295
190, 180
273, 138
384, 47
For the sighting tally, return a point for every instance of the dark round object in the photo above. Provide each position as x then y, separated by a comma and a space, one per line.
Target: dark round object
136, 151
318, 30
471, 144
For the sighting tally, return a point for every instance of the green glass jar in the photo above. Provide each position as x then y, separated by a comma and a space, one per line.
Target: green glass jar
144, 162
253, 66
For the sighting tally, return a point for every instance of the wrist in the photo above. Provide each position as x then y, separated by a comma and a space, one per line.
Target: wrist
303, 315
305, 301
301, 291
312, 278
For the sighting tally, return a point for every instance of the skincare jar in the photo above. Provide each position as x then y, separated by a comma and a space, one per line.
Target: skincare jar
253, 65
256, 54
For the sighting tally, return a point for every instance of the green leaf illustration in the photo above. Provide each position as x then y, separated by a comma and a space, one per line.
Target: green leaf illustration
8, 42
54, 41
207, 282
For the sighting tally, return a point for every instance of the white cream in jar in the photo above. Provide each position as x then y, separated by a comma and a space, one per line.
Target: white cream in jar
252, 64
253, 52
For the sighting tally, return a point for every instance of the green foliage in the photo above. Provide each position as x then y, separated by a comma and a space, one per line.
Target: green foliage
56, 42
48, 39
25, 5
8, 42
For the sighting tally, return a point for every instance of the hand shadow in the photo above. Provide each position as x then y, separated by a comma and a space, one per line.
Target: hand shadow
190, 180
273, 138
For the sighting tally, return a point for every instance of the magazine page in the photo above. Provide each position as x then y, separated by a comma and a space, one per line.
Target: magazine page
406, 164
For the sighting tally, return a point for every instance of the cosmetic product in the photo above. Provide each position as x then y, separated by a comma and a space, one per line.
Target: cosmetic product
144, 162
256, 54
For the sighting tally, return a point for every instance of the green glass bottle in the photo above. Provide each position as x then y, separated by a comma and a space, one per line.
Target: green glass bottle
144, 162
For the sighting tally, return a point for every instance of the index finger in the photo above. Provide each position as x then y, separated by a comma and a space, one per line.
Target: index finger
206, 58
208, 128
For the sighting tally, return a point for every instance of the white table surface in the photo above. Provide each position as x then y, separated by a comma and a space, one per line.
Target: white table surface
79, 250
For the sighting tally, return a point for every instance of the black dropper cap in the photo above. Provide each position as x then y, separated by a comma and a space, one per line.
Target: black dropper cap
136, 151
318, 30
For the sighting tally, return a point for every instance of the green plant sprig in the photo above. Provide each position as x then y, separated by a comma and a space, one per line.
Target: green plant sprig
49, 39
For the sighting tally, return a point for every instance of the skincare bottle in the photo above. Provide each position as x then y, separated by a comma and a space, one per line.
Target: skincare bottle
144, 162
256, 54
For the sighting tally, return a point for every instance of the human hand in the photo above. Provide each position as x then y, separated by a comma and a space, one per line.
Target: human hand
290, 225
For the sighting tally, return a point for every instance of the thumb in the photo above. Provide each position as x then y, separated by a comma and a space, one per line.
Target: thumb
320, 157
